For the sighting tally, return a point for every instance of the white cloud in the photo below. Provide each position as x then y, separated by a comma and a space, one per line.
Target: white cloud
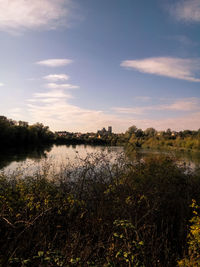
15, 113
61, 86
186, 105
55, 94
56, 62
20, 15
53, 109
61, 115
186, 10
1, 84
184, 69
56, 77
124, 110
191, 121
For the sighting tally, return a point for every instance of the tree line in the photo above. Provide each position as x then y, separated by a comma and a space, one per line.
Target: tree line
151, 138
14, 133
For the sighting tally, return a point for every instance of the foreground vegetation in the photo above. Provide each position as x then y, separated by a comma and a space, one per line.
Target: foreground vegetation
99, 213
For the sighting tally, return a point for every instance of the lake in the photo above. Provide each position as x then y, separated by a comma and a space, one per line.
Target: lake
30, 159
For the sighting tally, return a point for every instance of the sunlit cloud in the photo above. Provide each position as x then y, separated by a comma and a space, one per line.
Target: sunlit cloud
125, 110
61, 86
186, 10
56, 62
56, 94
186, 105
54, 109
178, 68
2, 84
190, 121
20, 15
56, 77
15, 113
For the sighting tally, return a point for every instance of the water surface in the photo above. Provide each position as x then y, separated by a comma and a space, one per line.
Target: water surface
53, 156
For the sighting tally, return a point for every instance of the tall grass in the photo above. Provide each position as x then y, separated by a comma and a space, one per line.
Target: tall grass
98, 213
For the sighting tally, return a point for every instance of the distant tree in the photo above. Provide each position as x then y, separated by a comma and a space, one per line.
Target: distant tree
150, 132
139, 133
169, 132
131, 130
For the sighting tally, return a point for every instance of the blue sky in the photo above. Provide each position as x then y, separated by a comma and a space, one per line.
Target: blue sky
82, 65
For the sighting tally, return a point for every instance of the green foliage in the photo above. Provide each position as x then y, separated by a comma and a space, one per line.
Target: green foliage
14, 133
193, 254
100, 214
150, 138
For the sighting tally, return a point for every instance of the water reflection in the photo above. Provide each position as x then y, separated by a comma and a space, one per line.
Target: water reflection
21, 154
191, 159
56, 155
30, 158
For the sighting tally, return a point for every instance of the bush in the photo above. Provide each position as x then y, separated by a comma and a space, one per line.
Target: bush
98, 213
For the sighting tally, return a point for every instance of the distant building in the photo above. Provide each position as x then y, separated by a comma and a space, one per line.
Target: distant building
110, 129
78, 134
104, 131
62, 133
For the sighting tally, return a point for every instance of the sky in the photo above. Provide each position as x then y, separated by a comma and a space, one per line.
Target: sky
79, 65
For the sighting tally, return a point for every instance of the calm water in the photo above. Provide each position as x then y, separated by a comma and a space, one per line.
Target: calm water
56, 156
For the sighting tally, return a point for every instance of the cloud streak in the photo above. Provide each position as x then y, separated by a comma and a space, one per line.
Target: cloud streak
178, 68
61, 86
185, 105
186, 10
56, 62
21, 15
56, 77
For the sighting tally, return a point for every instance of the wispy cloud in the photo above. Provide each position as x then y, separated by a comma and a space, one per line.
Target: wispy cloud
182, 39
53, 108
56, 77
142, 98
55, 94
20, 15
56, 62
61, 86
186, 10
186, 105
178, 68
15, 113
2, 84
125, 110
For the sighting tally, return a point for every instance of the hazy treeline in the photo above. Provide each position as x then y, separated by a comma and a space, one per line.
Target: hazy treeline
101, 214
13, 133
